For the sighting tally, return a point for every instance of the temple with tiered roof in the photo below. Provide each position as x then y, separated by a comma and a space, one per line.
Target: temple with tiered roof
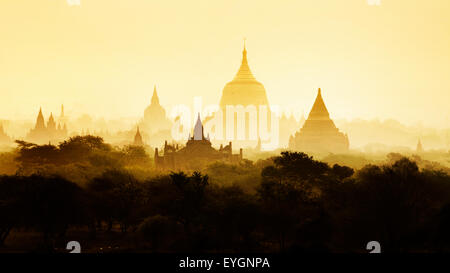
197, 153
319, 133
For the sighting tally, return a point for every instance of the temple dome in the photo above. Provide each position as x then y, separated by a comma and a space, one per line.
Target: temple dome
155, 111
155, 119
244, 89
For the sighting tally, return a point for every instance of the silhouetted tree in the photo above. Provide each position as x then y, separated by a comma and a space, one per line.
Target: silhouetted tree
135, 155
47, 204
290, 192
118, 196
160, 231
389, 204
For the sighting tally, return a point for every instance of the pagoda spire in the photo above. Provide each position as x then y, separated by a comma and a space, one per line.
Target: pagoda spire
319, 110
51, 124
40, 123
244, 72
198, 129
138, 138
155, 99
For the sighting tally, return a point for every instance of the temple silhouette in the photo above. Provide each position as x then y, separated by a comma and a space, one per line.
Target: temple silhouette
155, 118
155, 123
197, 153
287, 127
319, 133
138, 138
44, 133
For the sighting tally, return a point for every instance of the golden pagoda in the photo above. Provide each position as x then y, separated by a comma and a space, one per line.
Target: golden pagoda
319, 133
244, 90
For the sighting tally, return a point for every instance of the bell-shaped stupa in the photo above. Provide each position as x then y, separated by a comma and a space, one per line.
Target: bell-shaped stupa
244, 89
155, 119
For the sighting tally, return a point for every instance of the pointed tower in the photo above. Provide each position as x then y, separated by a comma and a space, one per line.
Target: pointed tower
419, 147
40, 123
319, 133
244, 72
198, 129
155, 119
244, 89
319, 110
62, 116
138, 138
155, 99
51, 124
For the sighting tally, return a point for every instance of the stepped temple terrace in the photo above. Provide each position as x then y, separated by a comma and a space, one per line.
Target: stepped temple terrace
319, 134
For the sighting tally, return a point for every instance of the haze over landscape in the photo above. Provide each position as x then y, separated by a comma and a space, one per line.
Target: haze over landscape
92, 155
103, 57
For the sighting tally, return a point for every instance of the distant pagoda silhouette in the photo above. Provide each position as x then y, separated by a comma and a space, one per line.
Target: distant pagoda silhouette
197, 153
43, 134
319, 133
138, 138
287, 127
419, 147
155, 118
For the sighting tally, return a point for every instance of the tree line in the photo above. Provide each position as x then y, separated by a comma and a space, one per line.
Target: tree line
298, 204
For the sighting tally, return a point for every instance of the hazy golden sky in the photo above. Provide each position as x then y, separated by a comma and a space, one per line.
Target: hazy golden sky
104, 56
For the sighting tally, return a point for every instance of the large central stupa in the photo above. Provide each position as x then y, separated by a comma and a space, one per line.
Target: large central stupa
244, 89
